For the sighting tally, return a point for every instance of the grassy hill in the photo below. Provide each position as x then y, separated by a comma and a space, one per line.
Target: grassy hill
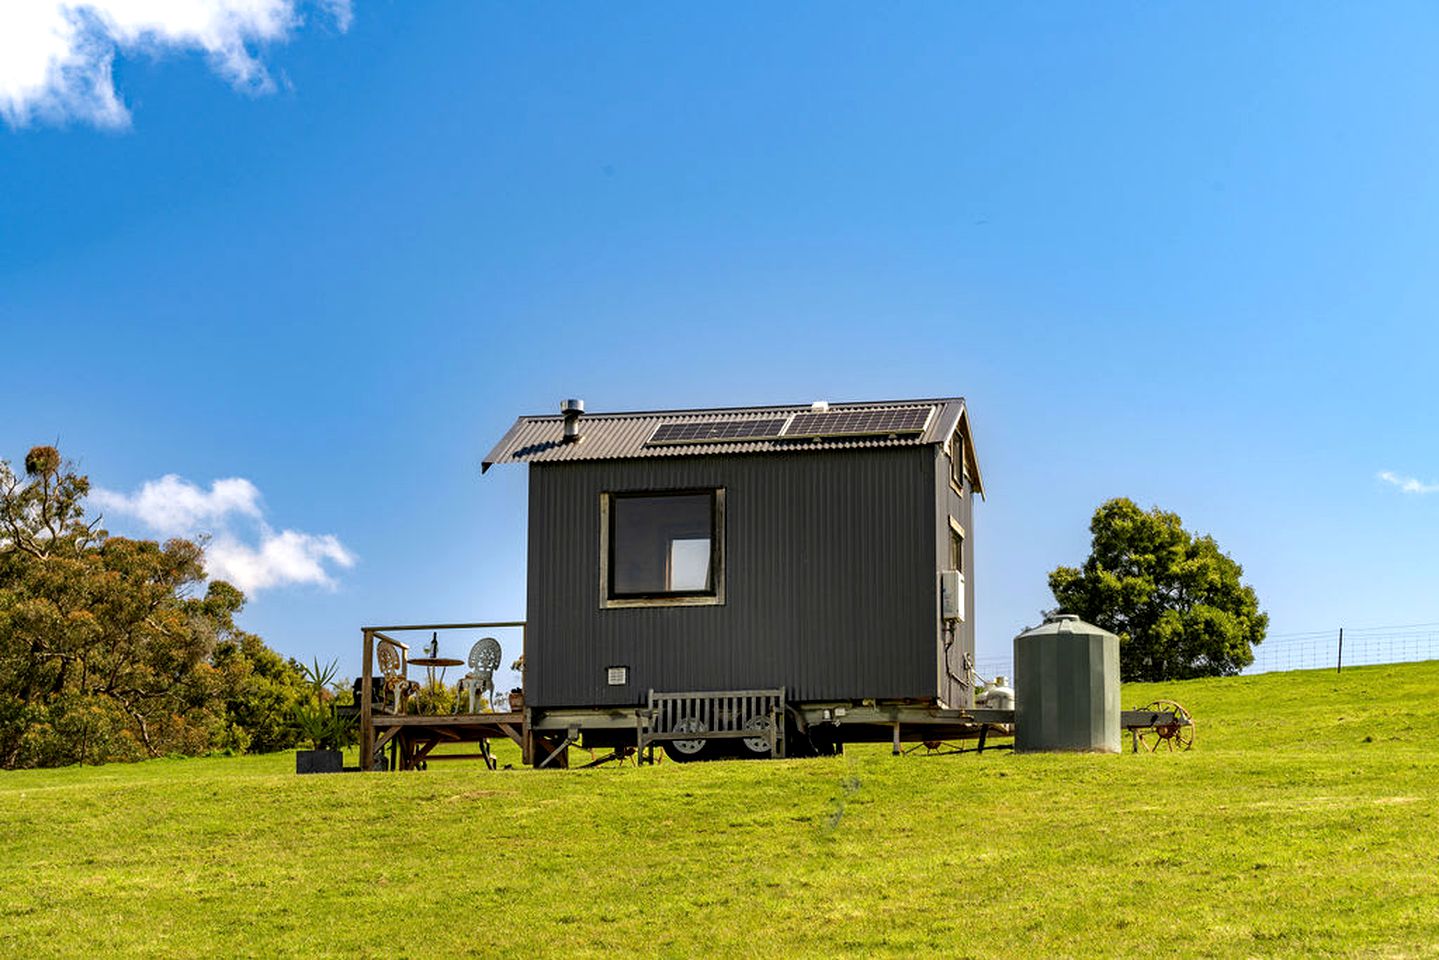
1305, 823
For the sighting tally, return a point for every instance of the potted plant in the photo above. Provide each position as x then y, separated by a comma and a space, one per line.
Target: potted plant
327, 732
517, 695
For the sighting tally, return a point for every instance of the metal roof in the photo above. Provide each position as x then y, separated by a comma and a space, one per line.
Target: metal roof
623, 436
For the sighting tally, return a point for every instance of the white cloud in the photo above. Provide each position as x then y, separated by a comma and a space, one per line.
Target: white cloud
56, 55
1408, 484
174, 507
287, 557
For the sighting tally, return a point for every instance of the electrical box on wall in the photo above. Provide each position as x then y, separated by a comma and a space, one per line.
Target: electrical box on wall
951, 595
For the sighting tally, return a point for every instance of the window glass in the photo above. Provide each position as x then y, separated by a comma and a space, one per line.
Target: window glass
662, 544
689, 567
956, 550
956, 459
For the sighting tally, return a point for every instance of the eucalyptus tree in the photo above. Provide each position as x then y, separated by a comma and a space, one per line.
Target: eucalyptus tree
117, 648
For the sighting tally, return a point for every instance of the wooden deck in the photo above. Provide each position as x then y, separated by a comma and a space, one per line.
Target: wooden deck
413, 738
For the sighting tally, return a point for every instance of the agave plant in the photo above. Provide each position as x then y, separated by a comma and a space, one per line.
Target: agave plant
316, 718
321, 678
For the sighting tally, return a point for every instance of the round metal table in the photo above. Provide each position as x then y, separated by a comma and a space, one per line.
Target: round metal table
430, 663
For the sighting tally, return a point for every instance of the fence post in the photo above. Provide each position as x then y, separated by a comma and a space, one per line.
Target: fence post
367, 720
1339, 663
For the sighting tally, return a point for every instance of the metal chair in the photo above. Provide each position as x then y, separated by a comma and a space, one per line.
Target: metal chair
484, 660
395, 682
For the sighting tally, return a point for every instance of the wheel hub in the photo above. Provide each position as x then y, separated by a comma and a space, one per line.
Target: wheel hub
690, 725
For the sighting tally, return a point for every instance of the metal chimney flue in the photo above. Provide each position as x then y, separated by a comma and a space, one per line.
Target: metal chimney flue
572, 410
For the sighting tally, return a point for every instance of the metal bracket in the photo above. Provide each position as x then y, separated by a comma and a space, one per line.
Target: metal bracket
572, 737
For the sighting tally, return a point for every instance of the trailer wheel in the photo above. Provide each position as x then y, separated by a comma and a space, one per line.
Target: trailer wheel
682, 751
758, 745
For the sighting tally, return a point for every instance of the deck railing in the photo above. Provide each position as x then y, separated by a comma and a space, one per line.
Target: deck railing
367, 675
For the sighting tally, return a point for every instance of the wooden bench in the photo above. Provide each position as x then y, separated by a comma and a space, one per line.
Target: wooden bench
713, 715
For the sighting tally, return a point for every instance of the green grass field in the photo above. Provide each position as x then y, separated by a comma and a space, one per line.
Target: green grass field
1304, 823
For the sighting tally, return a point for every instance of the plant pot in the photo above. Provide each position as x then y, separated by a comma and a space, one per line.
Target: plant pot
319, 761
517, 702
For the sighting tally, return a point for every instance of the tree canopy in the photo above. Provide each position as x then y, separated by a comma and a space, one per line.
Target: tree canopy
113, 648
1175, 600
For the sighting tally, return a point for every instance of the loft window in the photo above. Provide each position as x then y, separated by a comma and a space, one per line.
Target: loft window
957, 467
662, 549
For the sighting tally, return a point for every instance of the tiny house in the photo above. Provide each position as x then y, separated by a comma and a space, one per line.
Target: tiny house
823, 552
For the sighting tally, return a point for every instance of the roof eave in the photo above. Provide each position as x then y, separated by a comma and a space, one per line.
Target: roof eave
497, 452
975, 480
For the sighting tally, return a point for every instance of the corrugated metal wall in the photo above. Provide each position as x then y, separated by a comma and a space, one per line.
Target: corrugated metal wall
951, 659
831, 587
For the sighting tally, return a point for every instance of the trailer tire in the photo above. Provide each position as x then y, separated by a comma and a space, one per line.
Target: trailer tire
758, 745
679, 756
694, 748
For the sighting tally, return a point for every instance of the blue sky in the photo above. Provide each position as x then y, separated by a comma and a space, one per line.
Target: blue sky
1179, 253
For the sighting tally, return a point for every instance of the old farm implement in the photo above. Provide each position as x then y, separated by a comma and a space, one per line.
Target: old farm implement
1160, 725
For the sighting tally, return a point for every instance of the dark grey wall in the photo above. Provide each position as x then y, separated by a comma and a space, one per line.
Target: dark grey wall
948, 503
831, 585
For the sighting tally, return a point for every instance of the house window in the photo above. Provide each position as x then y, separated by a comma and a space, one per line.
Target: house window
662, 549
957, 467
956, 548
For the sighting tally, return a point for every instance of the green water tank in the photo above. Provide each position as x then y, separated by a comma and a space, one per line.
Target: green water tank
1066, 687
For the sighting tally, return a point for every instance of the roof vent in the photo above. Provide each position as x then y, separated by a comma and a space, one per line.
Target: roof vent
572, 410
819, 406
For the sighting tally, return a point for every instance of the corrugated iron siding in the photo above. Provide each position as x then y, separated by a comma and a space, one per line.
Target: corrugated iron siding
830, 581
949, 503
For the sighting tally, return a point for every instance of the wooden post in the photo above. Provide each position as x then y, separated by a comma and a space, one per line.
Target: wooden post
896, 738
527, 740
1339, 664
527, 736
367, 723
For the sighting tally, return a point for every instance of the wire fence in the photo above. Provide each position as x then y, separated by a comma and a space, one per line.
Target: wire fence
1348, 647
1312, 650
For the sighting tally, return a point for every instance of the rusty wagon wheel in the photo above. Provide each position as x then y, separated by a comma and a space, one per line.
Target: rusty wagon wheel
1177, 734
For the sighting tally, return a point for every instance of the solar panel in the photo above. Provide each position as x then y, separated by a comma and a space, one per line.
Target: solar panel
859, 423
715, 431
